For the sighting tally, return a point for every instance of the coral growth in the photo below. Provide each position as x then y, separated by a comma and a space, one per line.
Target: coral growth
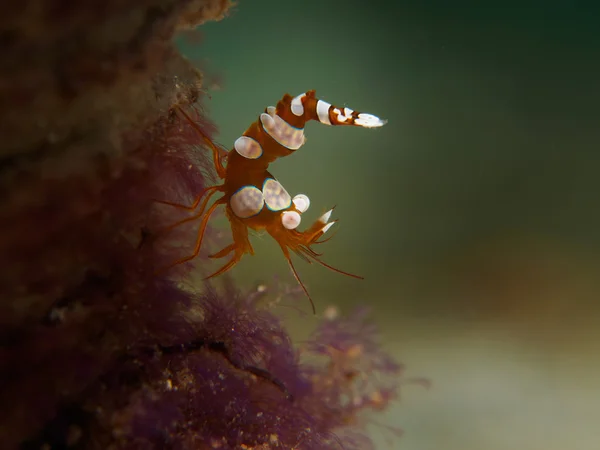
97, 352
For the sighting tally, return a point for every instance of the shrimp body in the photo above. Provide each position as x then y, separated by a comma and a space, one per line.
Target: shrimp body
254, 198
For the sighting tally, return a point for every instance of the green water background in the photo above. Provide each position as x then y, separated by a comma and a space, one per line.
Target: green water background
473, 214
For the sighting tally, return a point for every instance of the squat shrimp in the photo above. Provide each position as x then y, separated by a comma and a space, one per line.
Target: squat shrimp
253, 197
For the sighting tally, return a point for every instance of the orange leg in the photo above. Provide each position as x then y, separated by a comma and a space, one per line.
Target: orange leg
286, 253
195, 216
314, 256
211, 190
236, 259
220, 169
201, 230
241, 245
322, 241
226, 251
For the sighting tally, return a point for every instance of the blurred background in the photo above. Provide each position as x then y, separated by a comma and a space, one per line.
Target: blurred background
473, 214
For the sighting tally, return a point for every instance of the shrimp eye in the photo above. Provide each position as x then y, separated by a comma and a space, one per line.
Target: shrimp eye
290, 219
301, 202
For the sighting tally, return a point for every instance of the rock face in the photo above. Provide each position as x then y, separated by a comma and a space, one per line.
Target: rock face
84, 89
95, 350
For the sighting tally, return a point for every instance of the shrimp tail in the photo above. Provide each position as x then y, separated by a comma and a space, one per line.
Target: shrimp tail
312, 108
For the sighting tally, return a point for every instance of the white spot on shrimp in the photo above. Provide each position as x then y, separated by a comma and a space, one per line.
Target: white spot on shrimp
248, 147
285, 134
275, 195
290, 219
301, 202
297, 106
323, 112
248, 201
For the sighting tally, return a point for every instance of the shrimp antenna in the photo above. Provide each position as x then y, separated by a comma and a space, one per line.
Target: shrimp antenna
324, 264
286, 253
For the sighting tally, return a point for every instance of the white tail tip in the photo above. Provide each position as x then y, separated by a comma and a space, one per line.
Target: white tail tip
369, 121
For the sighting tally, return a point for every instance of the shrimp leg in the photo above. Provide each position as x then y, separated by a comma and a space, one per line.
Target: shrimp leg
217, 152
201, 230
241, 245
197, 215
211, 190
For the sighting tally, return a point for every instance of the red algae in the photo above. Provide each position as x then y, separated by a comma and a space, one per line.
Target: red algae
201, 396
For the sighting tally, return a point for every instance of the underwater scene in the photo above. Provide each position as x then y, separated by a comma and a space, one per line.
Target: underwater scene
472, 214
299, 225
